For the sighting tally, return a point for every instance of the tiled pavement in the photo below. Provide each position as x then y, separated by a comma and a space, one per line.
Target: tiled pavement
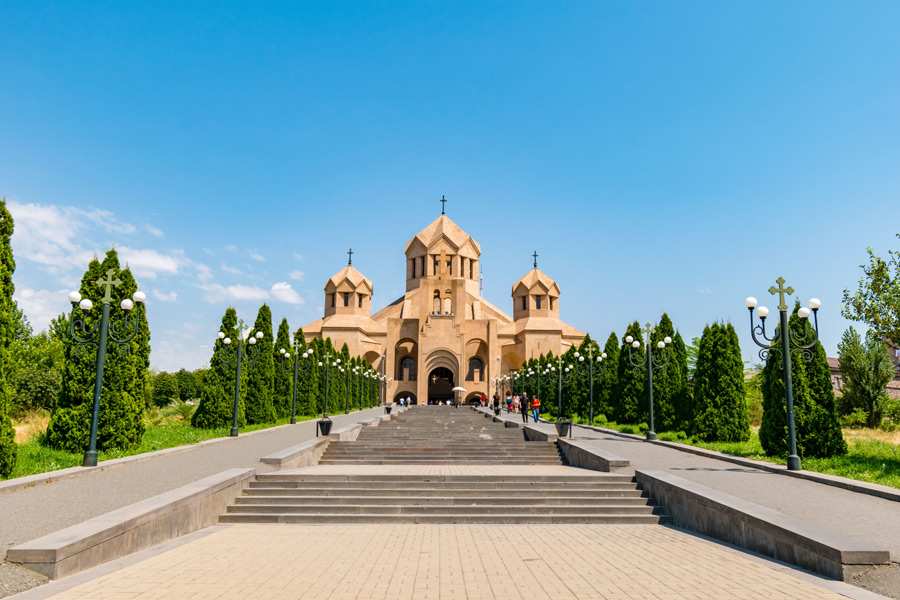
397, 562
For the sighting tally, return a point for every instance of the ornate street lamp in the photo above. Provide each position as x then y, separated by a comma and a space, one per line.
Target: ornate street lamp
647, 361
788, 343
583, 367
96, 335
229, 356
289, 364
565, 374
324, 424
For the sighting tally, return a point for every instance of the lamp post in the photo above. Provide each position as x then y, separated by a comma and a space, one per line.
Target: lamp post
229, 356
788, 341
286, 360
324, 424
565, 374
96, 335
580, 369
647, 361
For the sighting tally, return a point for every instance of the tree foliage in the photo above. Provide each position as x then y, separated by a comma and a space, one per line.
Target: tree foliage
165, 390
282, 393
817, 428
125, 374
261, 372
188, 385
876, 300
719, 395
606, 385
866, 368
216, 407
630, 404
7, 335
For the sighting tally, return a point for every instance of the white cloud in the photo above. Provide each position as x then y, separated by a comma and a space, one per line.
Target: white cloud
41, 306
705, 291
104, 219
284, 292
232, 270
154, 231
204, 273
298, 256
216, 292
258, 257
231, 247
149, 263
170, 297
296, 275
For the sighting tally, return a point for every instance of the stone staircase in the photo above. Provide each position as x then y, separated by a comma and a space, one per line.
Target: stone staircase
440, 435
504, 492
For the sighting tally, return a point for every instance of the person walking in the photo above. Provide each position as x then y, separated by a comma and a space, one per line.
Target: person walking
535, 408
525, 407
515, 404
496, 404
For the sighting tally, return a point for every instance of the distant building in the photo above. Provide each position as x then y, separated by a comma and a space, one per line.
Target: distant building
837, 378
441, 333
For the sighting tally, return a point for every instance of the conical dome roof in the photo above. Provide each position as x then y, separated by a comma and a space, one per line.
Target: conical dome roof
536, 276
351, 275
443, 227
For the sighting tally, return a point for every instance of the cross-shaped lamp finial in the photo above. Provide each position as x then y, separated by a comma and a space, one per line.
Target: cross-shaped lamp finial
108, 283
781, 291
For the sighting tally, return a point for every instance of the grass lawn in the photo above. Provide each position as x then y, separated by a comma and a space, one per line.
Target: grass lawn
165, 432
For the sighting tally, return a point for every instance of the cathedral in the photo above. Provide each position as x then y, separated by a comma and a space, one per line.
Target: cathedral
441, 333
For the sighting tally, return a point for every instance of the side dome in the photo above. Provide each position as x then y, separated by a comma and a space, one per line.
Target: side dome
535, 295
348, 292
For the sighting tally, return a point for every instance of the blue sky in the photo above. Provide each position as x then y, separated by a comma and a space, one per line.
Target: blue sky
673, 156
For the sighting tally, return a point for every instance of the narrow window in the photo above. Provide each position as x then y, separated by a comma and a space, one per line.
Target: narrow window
524, 302
331, 301
408, 368
537, 302
471, 269
434, 264
551, 302
360, 298
346, 298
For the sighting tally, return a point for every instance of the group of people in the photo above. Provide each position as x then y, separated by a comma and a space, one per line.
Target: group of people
520, 405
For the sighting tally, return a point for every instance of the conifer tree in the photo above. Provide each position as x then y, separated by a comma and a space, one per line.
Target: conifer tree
216, 407
125, 375
816, 425
261, 373
282, 396
825, 435
7, 333
307, 390
683, 405
719, 392
667, 381
630, 393
605, 391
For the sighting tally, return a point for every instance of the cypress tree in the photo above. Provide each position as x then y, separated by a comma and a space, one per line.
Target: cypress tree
125, 374
630, 393
719, 392
818, 433
604, 394
7, 333
307, 389
683, 405
667, 381
261, 373
284, 379
216, 407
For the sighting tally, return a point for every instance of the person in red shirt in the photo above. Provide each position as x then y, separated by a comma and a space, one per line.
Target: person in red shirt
535, 408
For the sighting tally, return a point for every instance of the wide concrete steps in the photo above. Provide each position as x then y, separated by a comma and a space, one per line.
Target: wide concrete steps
477, 499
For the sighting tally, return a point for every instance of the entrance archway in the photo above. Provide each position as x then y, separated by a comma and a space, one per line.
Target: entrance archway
440, 385
405, 395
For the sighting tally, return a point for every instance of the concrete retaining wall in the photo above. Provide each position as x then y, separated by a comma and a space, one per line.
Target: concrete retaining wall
302, 455
588, 456
132, 528
533, 434
346, 434
736, 521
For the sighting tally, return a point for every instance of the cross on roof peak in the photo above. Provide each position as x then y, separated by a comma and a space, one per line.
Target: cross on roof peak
350, 255
443, 204
535, 255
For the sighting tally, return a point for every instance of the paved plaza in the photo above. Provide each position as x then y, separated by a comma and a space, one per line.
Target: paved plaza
473, 562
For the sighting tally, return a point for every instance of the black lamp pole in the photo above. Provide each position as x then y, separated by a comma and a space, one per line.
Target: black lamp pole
233, 356
96, 335
647, 361
291, 362
788, 341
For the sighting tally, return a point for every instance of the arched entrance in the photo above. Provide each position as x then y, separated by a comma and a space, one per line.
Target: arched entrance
405, 395
440, 385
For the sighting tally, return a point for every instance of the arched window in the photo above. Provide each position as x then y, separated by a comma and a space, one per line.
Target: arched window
476, 370
407, 369
436, 303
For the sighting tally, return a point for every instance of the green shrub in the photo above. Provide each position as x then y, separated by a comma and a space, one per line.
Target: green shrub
888, 426
600, 420
855, 420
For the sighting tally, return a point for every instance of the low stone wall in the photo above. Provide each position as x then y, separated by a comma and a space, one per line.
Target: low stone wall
768, 532
533, 434
302, 455
346, 434
587, 456
132, 528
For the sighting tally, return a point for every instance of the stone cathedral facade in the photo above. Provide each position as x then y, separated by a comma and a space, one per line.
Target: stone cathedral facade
441, 333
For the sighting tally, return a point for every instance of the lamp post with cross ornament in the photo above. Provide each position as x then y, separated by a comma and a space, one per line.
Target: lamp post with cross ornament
323, 427
647, 361
586, 367
565, 374
292, 362
784, 342
234, 356
98, 335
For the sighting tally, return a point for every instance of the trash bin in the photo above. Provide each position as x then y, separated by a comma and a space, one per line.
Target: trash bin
387, 408
563, 426
324, 426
